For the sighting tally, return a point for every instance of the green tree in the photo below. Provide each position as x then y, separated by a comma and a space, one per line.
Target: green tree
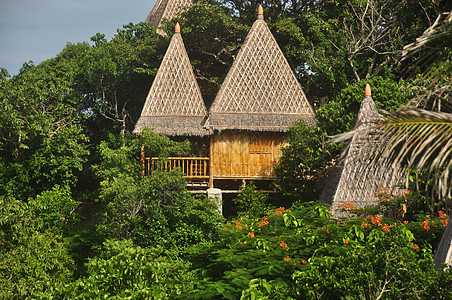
40, 142
302, 253
250, 202
114, 76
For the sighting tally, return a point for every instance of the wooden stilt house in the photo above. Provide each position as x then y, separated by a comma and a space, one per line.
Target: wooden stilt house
258, 101
354, 179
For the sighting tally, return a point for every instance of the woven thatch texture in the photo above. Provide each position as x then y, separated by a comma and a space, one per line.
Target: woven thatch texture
260, 91
166, 9
443, 254
174, 105
355, 179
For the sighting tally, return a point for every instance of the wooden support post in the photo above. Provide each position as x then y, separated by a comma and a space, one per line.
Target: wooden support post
211, 162
143, 161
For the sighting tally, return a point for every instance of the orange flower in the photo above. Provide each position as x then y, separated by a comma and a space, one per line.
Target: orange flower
251, 234
284, 245
346, 241
415, 246
425, 225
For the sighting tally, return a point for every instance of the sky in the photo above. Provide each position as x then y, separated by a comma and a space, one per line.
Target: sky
37, 30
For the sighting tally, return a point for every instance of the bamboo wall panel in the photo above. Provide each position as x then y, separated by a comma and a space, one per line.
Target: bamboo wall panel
245, 154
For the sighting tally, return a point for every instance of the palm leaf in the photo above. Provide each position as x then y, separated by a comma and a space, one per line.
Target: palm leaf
431, 89
417, 139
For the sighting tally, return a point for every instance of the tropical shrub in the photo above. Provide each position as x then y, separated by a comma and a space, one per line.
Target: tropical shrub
124, 271
303, 160
250, 202
157, 210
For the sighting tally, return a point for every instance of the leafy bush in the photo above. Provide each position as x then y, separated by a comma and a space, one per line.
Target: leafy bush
303, 160
55, 208
123, 270
251, 203
157, 210
120, 155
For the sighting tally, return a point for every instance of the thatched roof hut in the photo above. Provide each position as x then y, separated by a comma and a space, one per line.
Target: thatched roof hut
174, 105
166, 9
260, 92
355, 179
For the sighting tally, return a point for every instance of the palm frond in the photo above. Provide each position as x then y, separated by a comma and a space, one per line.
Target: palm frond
431, 89
436, 34
416, 139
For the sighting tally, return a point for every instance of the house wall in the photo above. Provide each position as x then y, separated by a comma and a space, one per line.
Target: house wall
244, 154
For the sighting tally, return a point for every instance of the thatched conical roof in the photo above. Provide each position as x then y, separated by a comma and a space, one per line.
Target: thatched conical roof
166, 9
174, 105
354, 179
260, 92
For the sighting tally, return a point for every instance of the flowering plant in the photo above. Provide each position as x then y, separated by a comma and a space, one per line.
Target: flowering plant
302, 252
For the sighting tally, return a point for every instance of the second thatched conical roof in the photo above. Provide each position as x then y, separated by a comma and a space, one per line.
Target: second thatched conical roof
166, 9
260, 92
174, 105
355, 179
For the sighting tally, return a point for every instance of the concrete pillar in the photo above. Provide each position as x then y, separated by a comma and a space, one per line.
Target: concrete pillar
216, 196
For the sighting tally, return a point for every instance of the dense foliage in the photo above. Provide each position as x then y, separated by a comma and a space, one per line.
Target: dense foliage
78, 219
303, 253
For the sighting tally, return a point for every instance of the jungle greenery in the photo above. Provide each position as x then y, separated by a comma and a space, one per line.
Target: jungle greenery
77, 219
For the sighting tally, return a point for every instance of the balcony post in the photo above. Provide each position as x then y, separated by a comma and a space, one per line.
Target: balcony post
211, 163
143, 161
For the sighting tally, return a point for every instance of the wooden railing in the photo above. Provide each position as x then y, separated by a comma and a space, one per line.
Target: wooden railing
196, 169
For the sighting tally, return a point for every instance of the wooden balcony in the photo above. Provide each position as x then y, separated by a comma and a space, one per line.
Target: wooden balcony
196, 169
